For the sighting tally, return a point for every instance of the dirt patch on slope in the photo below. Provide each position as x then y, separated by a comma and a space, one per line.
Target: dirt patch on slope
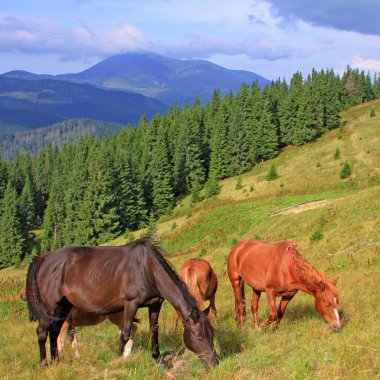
301, 207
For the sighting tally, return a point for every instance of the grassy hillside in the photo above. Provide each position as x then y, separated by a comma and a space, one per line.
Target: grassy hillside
339, 234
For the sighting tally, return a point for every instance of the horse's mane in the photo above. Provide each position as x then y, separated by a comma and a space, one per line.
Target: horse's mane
154, 247
309, 275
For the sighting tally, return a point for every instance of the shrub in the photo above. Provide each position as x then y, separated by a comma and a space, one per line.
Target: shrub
337, 154
373, 112
239, 184
202, 253
272, 174
346, 170
212, 188
317, 235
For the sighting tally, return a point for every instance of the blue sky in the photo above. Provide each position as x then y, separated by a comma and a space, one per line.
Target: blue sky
274, 38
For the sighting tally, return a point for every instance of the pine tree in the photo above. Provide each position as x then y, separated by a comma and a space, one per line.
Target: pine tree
219, 145
272, 174
160, 169
132, 209
332, 105
3, 178
346, 170
54, 216
194, 162
267, 141
241, 117
289, 110
12, 236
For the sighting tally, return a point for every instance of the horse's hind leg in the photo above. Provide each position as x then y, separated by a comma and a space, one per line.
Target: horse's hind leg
61, 312
42, 333
62, 337
238, 287
255, 306
74, 341
54, 330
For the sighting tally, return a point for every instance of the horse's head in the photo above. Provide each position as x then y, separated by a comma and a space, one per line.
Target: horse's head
326, 303
198, 336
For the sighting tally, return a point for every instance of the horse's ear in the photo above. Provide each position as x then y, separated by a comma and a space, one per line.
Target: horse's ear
194, 314
206, 311
335, 281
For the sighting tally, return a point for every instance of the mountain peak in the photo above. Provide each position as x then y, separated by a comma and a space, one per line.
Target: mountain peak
167, 79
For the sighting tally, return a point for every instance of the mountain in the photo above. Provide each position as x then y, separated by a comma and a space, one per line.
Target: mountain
33, 103
166, 79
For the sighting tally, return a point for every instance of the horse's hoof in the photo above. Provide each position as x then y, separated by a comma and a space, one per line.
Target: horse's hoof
164, 364
44, 364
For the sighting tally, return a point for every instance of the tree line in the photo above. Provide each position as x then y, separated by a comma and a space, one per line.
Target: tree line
96, 189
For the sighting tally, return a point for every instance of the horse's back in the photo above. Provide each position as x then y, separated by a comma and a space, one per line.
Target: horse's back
90, 278
200, 270
259, 263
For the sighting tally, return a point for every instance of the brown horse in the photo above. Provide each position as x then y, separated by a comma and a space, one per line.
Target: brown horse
109, 280
79, 318
202, 282
279, 270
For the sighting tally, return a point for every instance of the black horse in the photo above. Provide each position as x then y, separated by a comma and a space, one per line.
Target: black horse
107, 280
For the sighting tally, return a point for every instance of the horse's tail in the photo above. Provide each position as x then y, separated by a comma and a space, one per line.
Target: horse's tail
37, 310
237, 283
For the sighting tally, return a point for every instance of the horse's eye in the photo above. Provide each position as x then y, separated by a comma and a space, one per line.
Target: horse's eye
327, 305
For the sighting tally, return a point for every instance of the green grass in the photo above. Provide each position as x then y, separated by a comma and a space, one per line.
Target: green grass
303, 347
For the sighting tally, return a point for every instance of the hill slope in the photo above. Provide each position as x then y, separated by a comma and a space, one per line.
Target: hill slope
348, 246
38, 103
166, 79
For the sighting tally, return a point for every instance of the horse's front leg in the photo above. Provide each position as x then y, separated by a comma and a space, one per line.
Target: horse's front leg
130, 309
154, 312
271, 297
282, 306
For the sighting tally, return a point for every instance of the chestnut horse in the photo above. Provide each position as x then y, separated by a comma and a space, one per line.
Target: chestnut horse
108, 280
202, 282
80, 318
279, 270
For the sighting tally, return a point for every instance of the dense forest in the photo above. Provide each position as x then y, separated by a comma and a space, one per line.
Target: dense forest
94, 190
68, 131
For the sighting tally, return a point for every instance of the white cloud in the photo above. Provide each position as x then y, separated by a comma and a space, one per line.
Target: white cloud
44, 36
366, 64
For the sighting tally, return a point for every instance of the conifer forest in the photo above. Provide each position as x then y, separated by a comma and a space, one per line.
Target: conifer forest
89, 192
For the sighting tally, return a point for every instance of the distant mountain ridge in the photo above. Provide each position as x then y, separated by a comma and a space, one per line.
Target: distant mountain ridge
166, 79
29, 104
120, 89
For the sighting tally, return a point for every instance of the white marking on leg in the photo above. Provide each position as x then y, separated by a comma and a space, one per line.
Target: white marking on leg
128, 348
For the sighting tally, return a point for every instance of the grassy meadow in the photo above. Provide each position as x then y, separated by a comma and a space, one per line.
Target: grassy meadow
340, 235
